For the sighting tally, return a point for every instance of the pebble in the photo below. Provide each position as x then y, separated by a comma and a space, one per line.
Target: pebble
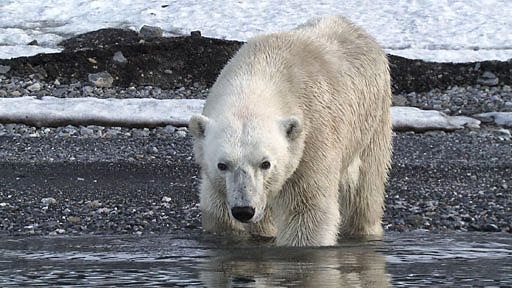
4, 69
101, 79
119, 57
399, 100
84, 131
488, 78
34, 87
74, 220
169, 129
181, 133
148, 32
48, 201
94, 204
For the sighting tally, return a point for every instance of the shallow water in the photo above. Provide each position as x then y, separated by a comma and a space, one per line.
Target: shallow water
199, 260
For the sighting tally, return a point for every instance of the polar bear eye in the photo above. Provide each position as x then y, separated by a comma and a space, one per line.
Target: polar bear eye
265, 165
222, 166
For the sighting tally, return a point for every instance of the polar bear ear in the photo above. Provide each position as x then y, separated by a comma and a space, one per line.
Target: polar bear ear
293, 127
197, 125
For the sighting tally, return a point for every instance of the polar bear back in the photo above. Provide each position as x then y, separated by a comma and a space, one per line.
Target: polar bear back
328, 72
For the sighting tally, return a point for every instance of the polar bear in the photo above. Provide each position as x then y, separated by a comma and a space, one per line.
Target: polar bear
294, 141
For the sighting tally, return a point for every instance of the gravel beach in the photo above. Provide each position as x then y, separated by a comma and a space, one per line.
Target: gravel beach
112, 180
61, 181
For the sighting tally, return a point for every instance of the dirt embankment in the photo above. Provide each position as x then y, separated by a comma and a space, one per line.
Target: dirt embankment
181, 61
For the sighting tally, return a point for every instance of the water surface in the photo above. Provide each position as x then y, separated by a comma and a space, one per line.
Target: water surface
200, 260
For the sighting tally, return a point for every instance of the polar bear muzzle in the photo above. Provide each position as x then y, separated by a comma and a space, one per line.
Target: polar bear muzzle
246, 198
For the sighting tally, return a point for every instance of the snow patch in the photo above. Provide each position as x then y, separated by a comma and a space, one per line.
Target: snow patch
148, 112
145, 112
415, 119
442, 31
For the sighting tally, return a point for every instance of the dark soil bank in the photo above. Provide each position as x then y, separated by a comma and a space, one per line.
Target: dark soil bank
179, 61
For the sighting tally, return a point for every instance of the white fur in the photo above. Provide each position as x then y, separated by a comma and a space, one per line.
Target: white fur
315, 103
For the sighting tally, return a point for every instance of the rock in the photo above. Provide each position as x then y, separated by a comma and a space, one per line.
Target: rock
59, 92
148, 32
101, 79
196, 33
500, 118
490, 228
4, 69
437, 107
84, 131
74, 220
94, 204
181, 133
166, 199
167, 130
16, 93
488, 79
48, 201
33, 43
504, 132
140, 132
399, 100
103, 210
151, 150
34, 87
119, 57
3, 93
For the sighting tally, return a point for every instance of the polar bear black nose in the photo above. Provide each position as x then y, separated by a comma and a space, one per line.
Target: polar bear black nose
242, 214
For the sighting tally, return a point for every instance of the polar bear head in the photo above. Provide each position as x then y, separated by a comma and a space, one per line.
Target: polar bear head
247, 160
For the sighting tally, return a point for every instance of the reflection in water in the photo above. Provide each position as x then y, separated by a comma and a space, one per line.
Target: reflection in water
358, 265
199, 260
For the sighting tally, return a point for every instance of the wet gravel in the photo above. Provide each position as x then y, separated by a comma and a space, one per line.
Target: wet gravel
139, 181
143, 183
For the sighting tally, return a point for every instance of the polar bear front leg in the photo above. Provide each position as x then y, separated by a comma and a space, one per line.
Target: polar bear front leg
309, 222
215, 216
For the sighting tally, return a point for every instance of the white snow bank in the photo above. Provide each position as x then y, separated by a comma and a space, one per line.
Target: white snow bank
500, 118
52, 111
147, 112
415, 119
464, 30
